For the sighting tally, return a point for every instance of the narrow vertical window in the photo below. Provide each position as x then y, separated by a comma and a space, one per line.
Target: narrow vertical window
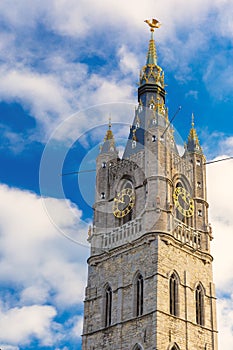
173, 294
137, 347
199, 296
139, 295
175, 347
108, 306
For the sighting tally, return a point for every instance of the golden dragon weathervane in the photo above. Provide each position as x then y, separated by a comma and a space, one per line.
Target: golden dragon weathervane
153, 24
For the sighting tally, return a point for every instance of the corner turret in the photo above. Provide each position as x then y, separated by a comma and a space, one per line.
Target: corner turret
109, 142
193, 144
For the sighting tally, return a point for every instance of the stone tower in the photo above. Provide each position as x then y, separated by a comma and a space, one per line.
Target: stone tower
150, 284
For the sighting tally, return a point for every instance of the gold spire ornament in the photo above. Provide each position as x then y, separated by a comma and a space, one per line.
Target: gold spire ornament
193, 140
109, 133
153, 24
109, 141
152, 73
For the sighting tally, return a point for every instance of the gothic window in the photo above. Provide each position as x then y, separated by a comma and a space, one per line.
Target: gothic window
151, 105
153, 138
108, 306
199, 298
175, 347
138, 295
137, 347
173, 294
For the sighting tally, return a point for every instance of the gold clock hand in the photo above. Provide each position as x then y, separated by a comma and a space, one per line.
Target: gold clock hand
185, 199
118, 200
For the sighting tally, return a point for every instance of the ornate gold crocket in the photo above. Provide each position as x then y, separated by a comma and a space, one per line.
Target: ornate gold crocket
183, 201
123, 202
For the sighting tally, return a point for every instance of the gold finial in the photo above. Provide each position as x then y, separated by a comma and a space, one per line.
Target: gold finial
153, 24
109, 133
192, 120
134, 138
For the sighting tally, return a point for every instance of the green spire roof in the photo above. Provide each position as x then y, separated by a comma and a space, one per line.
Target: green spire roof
152, 55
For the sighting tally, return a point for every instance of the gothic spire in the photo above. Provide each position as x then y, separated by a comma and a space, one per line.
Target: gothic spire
109, 142
193, 144
151, 73
152, 54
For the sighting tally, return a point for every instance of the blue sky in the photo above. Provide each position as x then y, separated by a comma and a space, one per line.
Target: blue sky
65, 67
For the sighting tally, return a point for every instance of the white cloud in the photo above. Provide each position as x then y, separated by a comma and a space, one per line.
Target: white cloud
50, 82
220, 194
8, 347
128, 62
39, 264
225, 322
19, 325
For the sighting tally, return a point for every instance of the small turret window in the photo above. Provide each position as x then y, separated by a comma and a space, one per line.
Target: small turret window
154, 138
154, 121
199, 213
152, 106
137, 347
102, 195
104, 165
198, 162
134, 144
198, 184
137, 125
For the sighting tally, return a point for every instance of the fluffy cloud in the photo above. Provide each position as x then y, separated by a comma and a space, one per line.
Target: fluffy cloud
51, 81
41, 266
220, 194
17, 325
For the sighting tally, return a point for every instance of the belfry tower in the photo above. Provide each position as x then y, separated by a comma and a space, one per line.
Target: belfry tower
150, 283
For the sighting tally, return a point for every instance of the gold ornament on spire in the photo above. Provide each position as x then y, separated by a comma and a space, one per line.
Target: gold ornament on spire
153, 24
109, 133
192, 120
193, 143
152, 73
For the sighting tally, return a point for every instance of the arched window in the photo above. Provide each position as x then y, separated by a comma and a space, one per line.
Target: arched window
175, 347
173, 294
199, 297
108, 306
137, 347
139, 295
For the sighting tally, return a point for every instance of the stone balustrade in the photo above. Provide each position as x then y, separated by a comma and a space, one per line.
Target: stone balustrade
126, 233
187, 235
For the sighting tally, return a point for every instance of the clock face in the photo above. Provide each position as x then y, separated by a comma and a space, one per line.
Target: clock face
123, 202
183, 201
